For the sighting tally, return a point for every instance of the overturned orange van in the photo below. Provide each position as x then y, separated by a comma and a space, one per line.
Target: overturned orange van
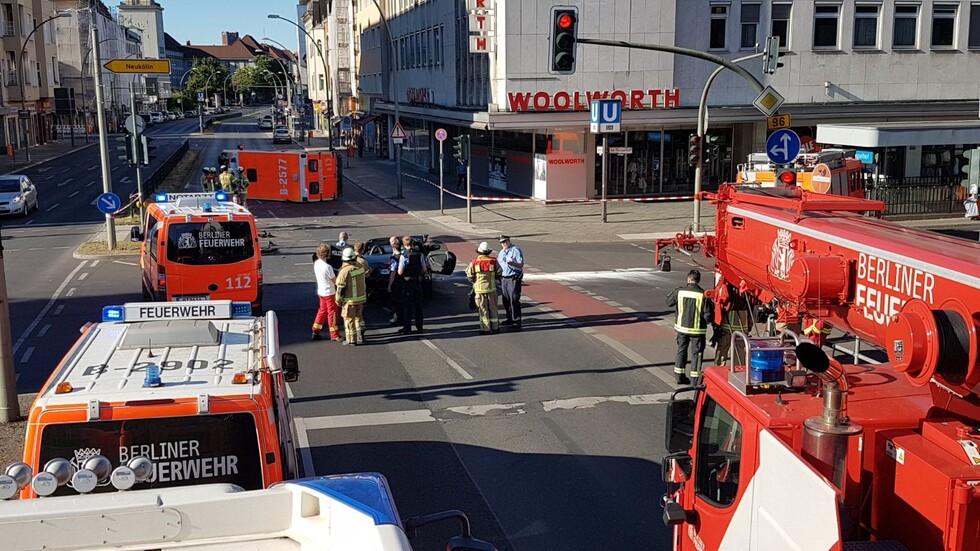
295, 176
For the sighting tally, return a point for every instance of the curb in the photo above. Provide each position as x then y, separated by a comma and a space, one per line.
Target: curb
80, 256
56, 157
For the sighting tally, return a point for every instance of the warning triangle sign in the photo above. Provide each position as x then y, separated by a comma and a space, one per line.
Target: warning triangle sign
398, 133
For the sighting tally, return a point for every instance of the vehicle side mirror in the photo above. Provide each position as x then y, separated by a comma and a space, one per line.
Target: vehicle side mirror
135, 234
674, 513
290, 367
462, 543
676, 468
680, 425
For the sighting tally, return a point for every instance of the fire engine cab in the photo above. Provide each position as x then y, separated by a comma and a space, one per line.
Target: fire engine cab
199, 388
790, 448
833, 171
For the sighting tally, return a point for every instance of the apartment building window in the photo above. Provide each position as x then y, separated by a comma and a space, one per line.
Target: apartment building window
825, 20
974, 40
780, 23
52, 72
866, 26
437, 44
8, 20
320, 81
906, 26
750, 26
719, 23
943, 25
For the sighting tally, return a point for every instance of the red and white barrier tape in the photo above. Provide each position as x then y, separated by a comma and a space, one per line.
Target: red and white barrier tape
528, 199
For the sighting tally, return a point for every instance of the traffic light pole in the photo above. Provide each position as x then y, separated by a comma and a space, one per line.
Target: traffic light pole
469, 183
136, 152
605, 172
110, 222
442, 189
702, 129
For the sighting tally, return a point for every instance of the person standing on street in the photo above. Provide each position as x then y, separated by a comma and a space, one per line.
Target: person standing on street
483, 272
366, 266
511, 261
225, 179
351, 296
694, 312
736, 317
411, 270
460, 175
240, 187
326, 290
360, 146
342, 240
395, 291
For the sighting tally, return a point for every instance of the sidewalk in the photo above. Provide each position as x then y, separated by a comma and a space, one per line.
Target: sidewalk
43, 153
528, 220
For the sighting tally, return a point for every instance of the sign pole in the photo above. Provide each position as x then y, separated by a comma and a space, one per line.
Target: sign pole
605, 172
442, 189
110, 222
469, 183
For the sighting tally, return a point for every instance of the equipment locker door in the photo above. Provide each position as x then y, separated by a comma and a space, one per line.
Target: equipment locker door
312, 177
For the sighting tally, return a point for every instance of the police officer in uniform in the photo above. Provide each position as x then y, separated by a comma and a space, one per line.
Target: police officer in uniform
483, 272
351, 296
511, 260
394, 282
694, 313
411, 269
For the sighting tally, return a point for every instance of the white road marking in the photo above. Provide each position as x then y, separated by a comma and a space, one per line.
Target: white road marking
71, 292
74, 193
62, 247
126, 263
459, 369
56, 205
634, 357
303, 445
65, 182
59, 309
626, 274
584, 402
95, 263
27, 354
44, 330
28, 223
90, 184
93, 167
44, 311
517, 408
368, 419
124, 180
83, 276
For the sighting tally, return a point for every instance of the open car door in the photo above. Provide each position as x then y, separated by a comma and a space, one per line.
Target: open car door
440, 259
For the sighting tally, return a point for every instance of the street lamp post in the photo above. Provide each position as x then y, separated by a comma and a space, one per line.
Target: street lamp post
20, 67
326, 76
289, 93
84, 103
394, 98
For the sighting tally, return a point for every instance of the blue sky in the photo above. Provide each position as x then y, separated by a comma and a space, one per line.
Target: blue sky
202, 21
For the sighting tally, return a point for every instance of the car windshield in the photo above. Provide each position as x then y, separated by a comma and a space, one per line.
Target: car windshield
9, 186
213, 242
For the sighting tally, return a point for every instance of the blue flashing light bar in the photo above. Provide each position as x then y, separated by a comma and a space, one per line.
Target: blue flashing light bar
364, 492
160, 197
207, 207
113, 313
153, 311
152, 378
220, 196
241, 309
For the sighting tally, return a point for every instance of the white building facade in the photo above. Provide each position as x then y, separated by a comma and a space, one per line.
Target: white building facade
845, 61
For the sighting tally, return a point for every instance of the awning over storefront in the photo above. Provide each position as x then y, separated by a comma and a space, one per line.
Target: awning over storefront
899, 134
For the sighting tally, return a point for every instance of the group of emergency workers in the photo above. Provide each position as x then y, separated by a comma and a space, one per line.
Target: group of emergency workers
484, 272
341, 293
236, 183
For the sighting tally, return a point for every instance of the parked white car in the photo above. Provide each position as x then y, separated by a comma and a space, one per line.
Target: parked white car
17, 195
157, 117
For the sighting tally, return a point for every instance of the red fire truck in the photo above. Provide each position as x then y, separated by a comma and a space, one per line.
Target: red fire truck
794, 450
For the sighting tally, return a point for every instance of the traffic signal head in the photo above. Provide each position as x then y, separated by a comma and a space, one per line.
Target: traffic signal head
786, 177
771, 55
128, 144
694, 150
564, 34
146, 150
459, 148
971, 168
710, 149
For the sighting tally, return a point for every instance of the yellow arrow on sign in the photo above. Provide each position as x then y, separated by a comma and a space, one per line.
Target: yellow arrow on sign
153, 66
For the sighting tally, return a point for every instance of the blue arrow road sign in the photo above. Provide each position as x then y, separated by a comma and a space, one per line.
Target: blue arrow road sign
108, 202
783, 146
605, 115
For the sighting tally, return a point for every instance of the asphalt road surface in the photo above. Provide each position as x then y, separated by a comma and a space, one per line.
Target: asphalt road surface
549, 438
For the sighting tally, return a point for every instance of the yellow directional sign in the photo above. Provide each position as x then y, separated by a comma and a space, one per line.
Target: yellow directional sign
776, 122
151, 66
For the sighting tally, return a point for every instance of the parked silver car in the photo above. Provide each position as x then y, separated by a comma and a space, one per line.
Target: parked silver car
17, 195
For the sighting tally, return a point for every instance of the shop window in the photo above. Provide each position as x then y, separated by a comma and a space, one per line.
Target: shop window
974, 40
906, 26
825, 22
719, 24
750, 26
866, 26
780, 23
943, 25
718, 455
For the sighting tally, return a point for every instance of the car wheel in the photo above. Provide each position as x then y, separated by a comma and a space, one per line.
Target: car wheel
37, 205
25, 212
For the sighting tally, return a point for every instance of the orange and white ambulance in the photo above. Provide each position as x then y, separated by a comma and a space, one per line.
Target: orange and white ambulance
200, 246
199, 388
295, 176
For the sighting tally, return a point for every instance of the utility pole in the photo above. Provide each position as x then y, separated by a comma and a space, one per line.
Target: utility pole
136, 141
605, 172
110, 222
9, 407
469, 183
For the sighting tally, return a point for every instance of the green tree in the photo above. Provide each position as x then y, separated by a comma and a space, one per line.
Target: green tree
207, 76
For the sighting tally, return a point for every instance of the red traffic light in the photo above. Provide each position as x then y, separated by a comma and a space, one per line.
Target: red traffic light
565, 21
788, 178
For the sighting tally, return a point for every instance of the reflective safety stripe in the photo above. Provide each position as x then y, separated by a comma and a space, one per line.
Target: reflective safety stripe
355, 294
814, 327
689, 305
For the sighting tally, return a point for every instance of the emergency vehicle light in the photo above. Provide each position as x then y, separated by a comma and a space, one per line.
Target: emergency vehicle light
239, 379
160, 197
63, 388
152, 378
155, 311
221, 196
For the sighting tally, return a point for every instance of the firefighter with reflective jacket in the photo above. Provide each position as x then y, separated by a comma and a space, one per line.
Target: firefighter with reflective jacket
817, 330
483, 272
694, 313
736, 317
351, 296
239, 186
225, 179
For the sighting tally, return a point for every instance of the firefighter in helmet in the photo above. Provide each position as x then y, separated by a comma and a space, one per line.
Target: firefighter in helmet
351, 296
694, 313
239, 186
